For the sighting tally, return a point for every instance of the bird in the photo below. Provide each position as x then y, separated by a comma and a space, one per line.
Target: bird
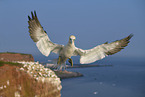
46, 46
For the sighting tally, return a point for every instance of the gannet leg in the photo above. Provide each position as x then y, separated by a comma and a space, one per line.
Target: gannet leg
59, 65
70, 61
58, 62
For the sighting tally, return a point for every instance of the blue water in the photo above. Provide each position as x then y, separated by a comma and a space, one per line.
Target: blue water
123, 79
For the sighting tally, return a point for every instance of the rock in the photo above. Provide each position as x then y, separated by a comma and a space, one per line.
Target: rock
68, 74
18, 82
10, 57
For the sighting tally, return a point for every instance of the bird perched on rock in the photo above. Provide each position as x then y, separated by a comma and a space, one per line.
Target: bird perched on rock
45, 45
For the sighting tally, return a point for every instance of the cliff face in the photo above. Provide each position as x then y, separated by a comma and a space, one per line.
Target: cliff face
10, 57
17, 81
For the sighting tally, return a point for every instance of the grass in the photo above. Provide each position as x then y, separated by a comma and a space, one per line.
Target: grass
13, 53
10, 63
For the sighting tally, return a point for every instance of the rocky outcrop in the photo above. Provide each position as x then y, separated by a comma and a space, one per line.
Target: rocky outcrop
28, 80
10, 57
67, 74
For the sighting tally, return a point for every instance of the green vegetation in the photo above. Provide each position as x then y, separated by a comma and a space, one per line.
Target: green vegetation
11, 63
13, 53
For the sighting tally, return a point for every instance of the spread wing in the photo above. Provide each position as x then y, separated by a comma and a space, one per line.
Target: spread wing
40, 37
101, 51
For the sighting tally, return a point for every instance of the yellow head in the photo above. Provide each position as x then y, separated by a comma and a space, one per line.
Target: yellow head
72, 38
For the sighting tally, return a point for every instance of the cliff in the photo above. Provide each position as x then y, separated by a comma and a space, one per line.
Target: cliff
28, 80
10, 57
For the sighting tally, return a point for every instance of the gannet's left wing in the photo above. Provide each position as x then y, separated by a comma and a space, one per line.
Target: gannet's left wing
100, 51
40, 37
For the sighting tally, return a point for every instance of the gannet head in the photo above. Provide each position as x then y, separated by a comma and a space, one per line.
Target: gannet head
72, 38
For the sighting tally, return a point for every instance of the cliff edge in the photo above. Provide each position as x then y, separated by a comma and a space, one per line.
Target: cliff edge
11, 56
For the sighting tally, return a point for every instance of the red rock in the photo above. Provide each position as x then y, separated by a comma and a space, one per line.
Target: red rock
14, 82
9, 57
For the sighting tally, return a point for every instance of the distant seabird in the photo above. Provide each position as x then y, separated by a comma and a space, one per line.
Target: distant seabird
45, 45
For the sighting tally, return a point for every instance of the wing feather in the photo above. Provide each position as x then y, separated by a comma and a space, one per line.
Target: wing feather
40, 37
101, 51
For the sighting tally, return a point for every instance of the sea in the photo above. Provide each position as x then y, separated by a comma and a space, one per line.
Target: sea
124, 78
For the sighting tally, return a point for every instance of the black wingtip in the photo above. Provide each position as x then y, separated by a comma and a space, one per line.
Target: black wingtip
106, 42
29, 18
35, 13
32, 15
130, 36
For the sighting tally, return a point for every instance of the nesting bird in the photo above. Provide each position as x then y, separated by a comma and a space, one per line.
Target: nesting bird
45, 45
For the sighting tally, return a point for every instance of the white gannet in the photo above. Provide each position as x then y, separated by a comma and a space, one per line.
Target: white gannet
45, 45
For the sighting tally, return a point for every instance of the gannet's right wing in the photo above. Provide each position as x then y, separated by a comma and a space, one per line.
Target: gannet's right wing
40, 37
100, 51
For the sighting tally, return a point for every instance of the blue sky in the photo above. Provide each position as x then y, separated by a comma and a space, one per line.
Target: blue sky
93, 22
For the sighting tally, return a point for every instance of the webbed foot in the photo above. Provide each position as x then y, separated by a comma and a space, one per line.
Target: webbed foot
70, 61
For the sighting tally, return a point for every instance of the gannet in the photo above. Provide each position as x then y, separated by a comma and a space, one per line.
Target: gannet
46, 46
